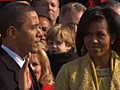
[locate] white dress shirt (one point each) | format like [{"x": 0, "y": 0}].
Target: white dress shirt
[{"x": 15, "y": 56}]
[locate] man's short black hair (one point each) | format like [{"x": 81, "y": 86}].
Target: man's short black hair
[{"x": 13, "y": 14}]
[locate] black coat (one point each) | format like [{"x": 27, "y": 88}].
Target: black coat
[{"x": 58, "y": 59}]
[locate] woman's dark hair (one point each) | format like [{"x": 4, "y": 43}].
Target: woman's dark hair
[{"x": 96, "y": 14}]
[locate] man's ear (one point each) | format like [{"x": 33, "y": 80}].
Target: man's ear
[{"x": 11, "y": 31}]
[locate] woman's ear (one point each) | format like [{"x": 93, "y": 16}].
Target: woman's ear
[{"x": 113, "y": 38}]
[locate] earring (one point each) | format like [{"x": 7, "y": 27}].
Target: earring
[
  {"x": 83, "y": 50},
  {"x": 112, "y": 42}
]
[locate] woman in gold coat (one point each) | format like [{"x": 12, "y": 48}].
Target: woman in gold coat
[{"x": 98, "y": 42}]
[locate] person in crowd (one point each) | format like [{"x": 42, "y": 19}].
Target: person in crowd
[
  {"x": 61, "y": 42},
  {"x": 87, "y": 3},
  {"x": 40, "y": 65},
  {"x": 42, "y": 69},
  {"x": 113, "y": 4},
  {"x": 20, "y": 34},
  {"x": 63, "y": 2},
  {"x": 98, "y": 41},
  {"x": 23, "y": 1},
  {"x": 4, "y": 3},
  {"x": 46, "y": 23},
  {"x": 92, "y": 3},
  {"x": 49, "y": 7},
  {"x": 71, "y": 13}
]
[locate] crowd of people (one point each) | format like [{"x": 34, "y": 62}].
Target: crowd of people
[{"x": 60, "y": 45}]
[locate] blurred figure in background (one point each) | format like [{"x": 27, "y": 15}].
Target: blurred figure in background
[
  {"x": 42, "y": 69},
  {"x": 24, "y": 1},
  {"x": 48, "y": 7},
  {"x": 46, "y": 23},
  {"x": 113, "y": 4},
  {"x": 40, "y": 65},
  {"x": 61, "y": 43},
  {"x": 71, "y": 13}
]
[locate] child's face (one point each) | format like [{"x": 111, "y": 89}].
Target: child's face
[{"x": 57, "y": 47}]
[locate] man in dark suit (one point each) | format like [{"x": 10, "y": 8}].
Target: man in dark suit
[{"x": 20, "y": 34}]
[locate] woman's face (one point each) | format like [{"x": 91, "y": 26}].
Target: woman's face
[
  {"x": 97, "y": 39},
  {"x": 45, "y": 24},
  {"x": 36, "y": 66}
]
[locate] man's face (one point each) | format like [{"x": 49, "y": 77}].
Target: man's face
[
  {"x": 71, "y": 19},
  {"x": 28, "y": 36},
  {"x": 49, "y": 7}
]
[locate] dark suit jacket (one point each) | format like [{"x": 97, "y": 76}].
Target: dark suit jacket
[{"x": 8, "y": 73}]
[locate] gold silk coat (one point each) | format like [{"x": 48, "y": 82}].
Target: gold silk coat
[{"x": 80, "y": 75}]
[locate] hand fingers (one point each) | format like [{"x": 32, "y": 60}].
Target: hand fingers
[
  {"x": 29, "y": 55},
  {"x": 24, "y": 76},
  {"x": 25, "y": 66},
  {"x": 27, "y": 59}
]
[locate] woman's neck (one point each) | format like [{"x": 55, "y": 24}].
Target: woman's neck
[{"x": 102, "y": 61}]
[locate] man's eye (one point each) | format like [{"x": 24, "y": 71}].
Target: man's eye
[
  {"x": 53, "y": 5},
  {"x": 36, "y": 27}
]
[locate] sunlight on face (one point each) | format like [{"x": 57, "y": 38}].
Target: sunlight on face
[
  {"x": 97, "y": 39},
  {"x": 57, "y": 47},
  {"x": 36, "y": 66}
]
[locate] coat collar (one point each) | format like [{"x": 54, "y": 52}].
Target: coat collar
[{"x": 9, "y": 63}]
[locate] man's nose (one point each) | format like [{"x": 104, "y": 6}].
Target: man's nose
[{"x": 49, "y": 7}]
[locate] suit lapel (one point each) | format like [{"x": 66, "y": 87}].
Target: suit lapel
[{"x": 9, "y": 62}]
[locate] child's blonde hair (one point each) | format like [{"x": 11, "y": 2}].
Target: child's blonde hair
[{"x": 62, "y": 33}]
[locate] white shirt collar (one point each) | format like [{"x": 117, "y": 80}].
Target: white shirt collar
[{"x": 15, "y": 56}]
